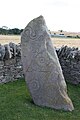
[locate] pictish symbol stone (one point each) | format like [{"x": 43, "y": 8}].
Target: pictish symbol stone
[{"x": 42, "y": 70}]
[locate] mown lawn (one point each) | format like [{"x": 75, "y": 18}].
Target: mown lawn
[{"x": 16, "y": 104}]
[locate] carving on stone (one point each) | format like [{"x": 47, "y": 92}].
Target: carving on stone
[
  {"x": 42, "y": 70},
  {"x": 34, "y": 84}
]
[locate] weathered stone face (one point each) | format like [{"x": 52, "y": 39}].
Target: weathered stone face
[{"x": 41, "y": 67}]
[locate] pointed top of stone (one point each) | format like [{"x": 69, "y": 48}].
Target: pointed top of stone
[
  {"x": 35, "y": 28},
  {"x": 40, "y": 17},
  {"x": 38, "y": 21}
]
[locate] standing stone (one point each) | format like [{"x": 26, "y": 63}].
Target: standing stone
[{"x": 43, "y": 73}]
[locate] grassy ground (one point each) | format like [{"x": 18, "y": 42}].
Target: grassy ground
[{"x": 16, "y": 104}]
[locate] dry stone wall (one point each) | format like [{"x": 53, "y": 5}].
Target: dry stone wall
[
  {"x": 70, "y": 61},
  {"x": 11, "y": 65}
]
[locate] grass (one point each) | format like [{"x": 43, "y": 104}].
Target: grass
[{"x": 16, "y": 104}]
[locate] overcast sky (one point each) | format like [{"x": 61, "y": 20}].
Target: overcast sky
[{"x": 59, "y": 14}]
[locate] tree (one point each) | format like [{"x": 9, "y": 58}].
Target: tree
[{"x": 61, "y": 31}]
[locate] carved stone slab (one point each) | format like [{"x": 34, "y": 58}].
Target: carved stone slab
[{"x": 43, "y": 73}]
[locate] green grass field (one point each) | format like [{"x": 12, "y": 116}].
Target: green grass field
[{"x": 16, "y": 104}]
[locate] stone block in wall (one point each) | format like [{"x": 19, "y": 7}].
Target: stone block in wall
[
  {"x": 2, "y": 79},
  {"x": 10, "y": 62},
  {"x": 1, "y": 63},
  {"x": 18, "y": 61}
]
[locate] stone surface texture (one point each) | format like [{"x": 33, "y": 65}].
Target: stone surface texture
[{"x": 43, "y": 73}]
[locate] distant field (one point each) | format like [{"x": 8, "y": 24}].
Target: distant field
[
  {"x": 74, "y": 34},
  {"x": 71, "y": 42},
  {"x": 58, "y": 42},
  {"x": 5, "y": 39}
]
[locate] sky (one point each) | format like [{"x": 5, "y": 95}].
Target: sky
[{"x": 58, "y": 14}]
